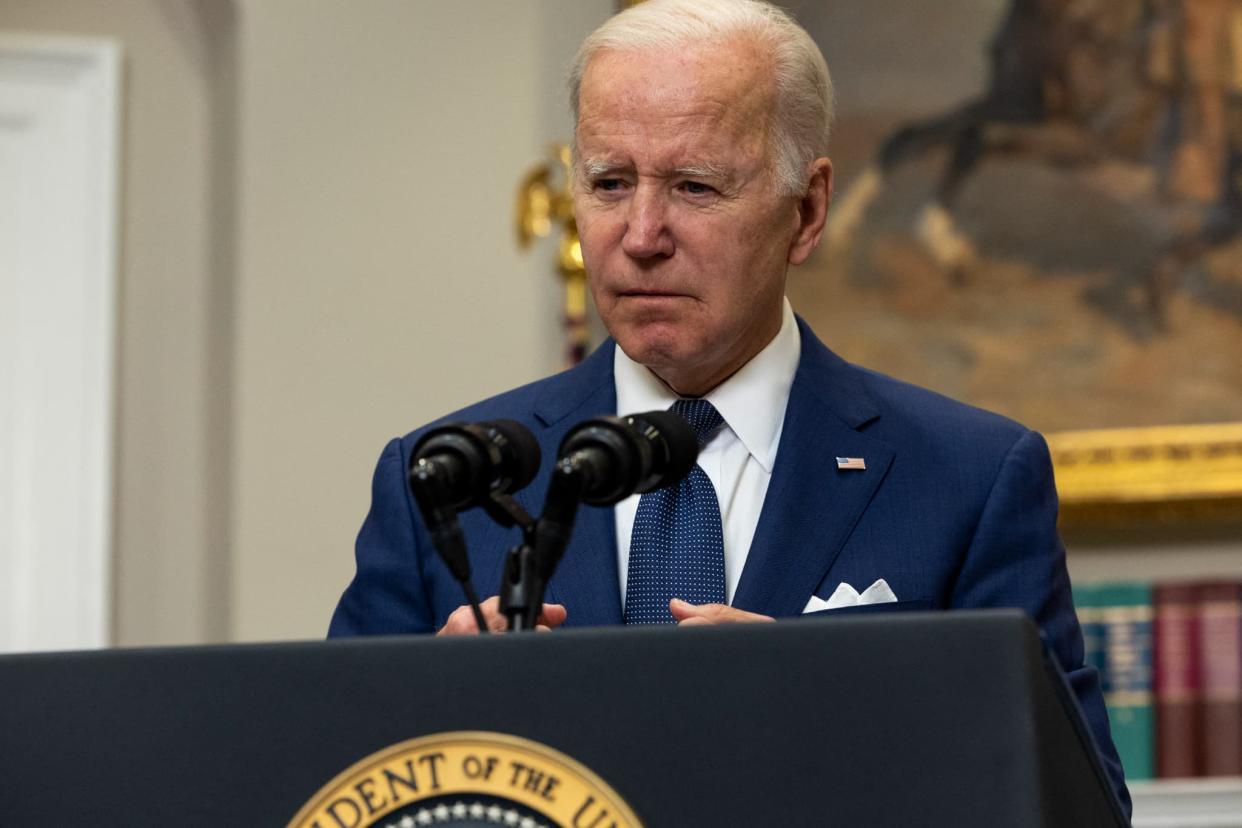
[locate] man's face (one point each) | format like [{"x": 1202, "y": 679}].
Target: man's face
[{"x": 684, "y": 234}]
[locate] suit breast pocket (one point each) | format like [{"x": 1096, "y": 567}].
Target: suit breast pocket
[{"x": 861, "y": 609}]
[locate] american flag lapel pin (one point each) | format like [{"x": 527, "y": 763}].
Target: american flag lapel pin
[{"x": 851, "y": 463}]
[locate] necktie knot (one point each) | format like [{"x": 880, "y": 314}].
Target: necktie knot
[{"x": 701, "y": 415}]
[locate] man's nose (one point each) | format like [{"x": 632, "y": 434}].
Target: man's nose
[{"x": 647, "y": 232}]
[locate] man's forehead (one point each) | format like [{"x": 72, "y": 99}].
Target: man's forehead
[
  {"x": 722, "y": 77},
  {"x": 656, "y": 146},
  {"x": 690, "y": 108}
]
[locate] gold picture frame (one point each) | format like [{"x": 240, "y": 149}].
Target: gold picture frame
[{"x": 1164, "y": 474}]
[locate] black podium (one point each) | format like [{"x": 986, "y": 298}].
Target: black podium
[{"x": 914, "y": 719}]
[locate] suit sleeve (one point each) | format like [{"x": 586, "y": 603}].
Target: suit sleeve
[
  {"x": 1016, "y": 559},
  {"x": 388, "y": 593}
]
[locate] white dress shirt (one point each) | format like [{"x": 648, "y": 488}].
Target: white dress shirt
[{"x": 739, "y": 458}]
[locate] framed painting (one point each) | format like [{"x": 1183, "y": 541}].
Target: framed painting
[{"x": 1039, "y": 211}]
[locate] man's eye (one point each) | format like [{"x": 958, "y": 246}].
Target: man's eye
[
  {"x": 608, "y": 184},
  {"x": 696, "y": 188}
]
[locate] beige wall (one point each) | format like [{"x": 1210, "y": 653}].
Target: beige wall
[
  {"x": 379, "y": 283},
  {"x": 317, "y": 256}
]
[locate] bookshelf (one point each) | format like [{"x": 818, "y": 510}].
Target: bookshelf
[
  {"x": 1156, "y": 560},
  {"x": 1188, "y": 803},
  {"x": 1159, "y": 554}
]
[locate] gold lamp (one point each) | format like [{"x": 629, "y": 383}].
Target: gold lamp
[{"x": 544, "y": 202}]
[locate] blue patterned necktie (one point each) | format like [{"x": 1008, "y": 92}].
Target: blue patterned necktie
[{"x": 677, "y": 547}]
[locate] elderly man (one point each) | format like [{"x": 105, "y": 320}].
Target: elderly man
[{"x": 702, "y": 174}]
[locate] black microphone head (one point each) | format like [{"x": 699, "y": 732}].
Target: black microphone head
[
  {"x": 459, "y": 458},
  {"x": 674, "y": 444},
  {"x": 614, "y": 454},
  {"x": 477, "y": 460},
  {"x": 519, "y": 450},
  {"x": 624, "y": 455}
]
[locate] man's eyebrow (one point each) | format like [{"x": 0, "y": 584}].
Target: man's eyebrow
[
  {"x": 592, "y": 167},
  {"x": 710, "y": 171}
]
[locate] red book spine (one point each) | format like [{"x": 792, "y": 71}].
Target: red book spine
[
  {"x": 1220, "y": 663},
  {"x": 1179, "y": 704}
]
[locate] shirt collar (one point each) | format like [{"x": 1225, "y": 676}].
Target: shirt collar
[{"x": 752, "y": 401}]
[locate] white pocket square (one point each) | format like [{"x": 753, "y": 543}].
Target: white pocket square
[{"x": 846, "y": 596}]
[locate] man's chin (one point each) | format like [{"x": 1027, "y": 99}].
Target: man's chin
[
  {"x": 654, "y": 351},
  {"x": 665, "y": 357},
  {"x": 649, "y": 353}
]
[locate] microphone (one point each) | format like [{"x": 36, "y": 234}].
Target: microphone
[
  {"x": 474, "y": 461},
  {"x": 619, "y": 456},
  {"x": 460, "y": 465},
  {"x": 605, "y": 460}
]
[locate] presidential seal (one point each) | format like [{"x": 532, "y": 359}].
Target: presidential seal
[{"x": 466, "y": 780}]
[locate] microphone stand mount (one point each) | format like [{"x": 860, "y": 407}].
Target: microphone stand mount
[{"x": 530, "y": 564}]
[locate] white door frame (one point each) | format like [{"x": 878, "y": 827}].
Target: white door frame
[{"x": 60, "y": 102}]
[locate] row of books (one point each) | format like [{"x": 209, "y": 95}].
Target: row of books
[{"x": 1170, "y": 661}]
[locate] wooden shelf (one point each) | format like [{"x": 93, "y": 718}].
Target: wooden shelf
[{"x": 1188, "y": 803}]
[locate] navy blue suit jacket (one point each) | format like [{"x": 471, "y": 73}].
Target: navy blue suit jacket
[{"x": 956, "y": 509}]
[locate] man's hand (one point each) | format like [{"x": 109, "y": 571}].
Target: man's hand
[
  {"x": 461, "y": 620},
  {"x": 690, "y": 615}
]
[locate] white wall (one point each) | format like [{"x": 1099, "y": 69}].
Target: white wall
[{"x": 59, "y": 124}]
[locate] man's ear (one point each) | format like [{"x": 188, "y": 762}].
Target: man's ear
[{"x": 812, "y": 211}]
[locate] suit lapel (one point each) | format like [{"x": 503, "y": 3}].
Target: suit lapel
[
  {"x": 586, "y": 581},
  {"x": 811, "y": 506}
]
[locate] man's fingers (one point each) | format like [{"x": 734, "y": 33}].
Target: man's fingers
[
  {"x": 697, "y": 615},
  {"x": 553, "y": 615},
  {"x": 492, "y": 615},
  {"x": 461, "y": 620},
  {"x": 683, "y": 610}
]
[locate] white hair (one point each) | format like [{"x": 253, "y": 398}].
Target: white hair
[{"x": 804, "y": 101}]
